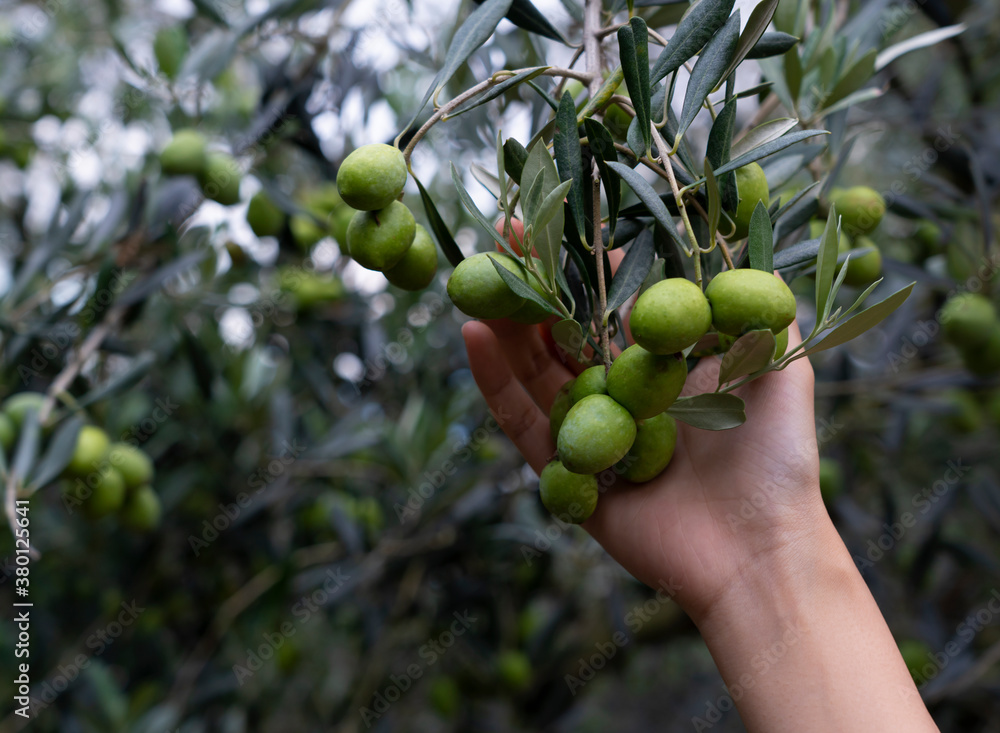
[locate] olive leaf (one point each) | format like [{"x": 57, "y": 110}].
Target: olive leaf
[
  {"x": 651, "y": 199},
  {"x": 761, "y": 243},
  {"x": 632, "y": 271},
  {"x": 863, "y": 321},
  {"x": 756, "y": 25},
  {"x": 826, "y": 264},
  {"x": 569, "y": 159},
  {"x": 634, "y": 53},
  {"x": 568, "y": 335},
  {"x": 714, "y": 201},
  {"x": 497, "y": 90},
  {"x": 719, "y": 152},
  {"x": 602, "y": 146},
  {"x": 761, "y": 134},
  {"x": 471, "y": 207},
  {"x": 772, "y": 43},
  {"x": 694, "y": 30},
  {"x": 444, "y": 238},
  {"x": 708, "y": 72},
  {"x": 710, "y": 411},
  {"x": 520, "y": 287},
  {"x": 769, "y": 148},
  {"x": 750, "y": 353},
  {"x": 58, "y": 454}
]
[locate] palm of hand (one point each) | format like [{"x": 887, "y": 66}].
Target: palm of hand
[{"x": 725, "y": 497}]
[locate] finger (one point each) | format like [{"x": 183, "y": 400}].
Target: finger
[
  {"x": 514, "y": 410},
  {"x": 531, "y": 361}
]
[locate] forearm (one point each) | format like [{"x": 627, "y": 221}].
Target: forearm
[{"x": 802, "y": 645}]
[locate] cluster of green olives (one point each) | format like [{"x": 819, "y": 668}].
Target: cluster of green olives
[
  {"x": 861, "y": 209},
  {"x": 218, "y": 173},
  {"x": 970, "y": 322},
  {"x": 617, "y": 419},
  {"x": 383, "y": 235},
  {"x": 101, "y": 477}
]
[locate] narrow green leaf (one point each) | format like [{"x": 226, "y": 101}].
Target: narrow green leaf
[
  {"x": 471, "y": 207},
  {"x": 486, "y": 179},
  {"x": 552, "y": 203},
  {"x": 750, "y": 353},
  {"x": 770, "y": 148},
  {"x": 607, "y": 89},
  {"x": 719, "y": 152},
  {"x": 708, "y": 72},
  {"x": 121, "y": 381},
  {"x": 546, "y": 97},
  {"x": 760, "y": 18},
  {"x": 28, "y": 443},
  {"x": 793, "y": 73},
  {"x": 826, "y": 264},
  {"x": 772, "y": 43},
  {"x": 502, "y": 178},
  {"x": 472, "y": 34},
  {"x": 762, "y": 134},
  {"x": 525, "y": 15},
  {"x": 761, "y": 245},
  {"x": 444, "y": 239},
  {"x": 141, "y": 290},
  {"x": 603, "y": 148},
  {"x": 569, "y": 159},
  {"x": 632, "y": 271},
  {"x": 58, "y": 454},
  {"x": 711, "y": 411},
  {"x": 669, "y": 252},
  {"x": 790, "y": 204},
  {"x": 921, "y": 40},
  {"x": 634, "y": 54},
  {"x": 498, "y": 90},
  {"x": 693, "y": 32},
  {"x": 714, "y": 201},
  {"x": 521, "y": 287},
  {"x": 863, "y": 321},
  {"x": 568, "y": 335},
  {"x": 514, "y": 157},
  {"x": 651, "y": 200},
  {"x": 864, "y": 95},
  {"x": 861, "y": 298},
  {"x": 853, "y": 79}
]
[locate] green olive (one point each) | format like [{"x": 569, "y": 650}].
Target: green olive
[
  {"x": 264, "y": 216},
  {"x": 378, "y": 239},
  {"x": 416, "y": 270},
  {"x": 644, "y": 383},
  {"x": 560, "y": 406},
  {"x": 860, "y": 208},
  {"x": 590, "y": 381},
  {"x": 967, "y": 320},
  {"x": 751, "y": 186},
  {"x": 142, "y": 509},
  {"x": 477, "y": 289},
  {"x": 670, "y": 316},
  {"x": 185, "y": 154},
  {"x": 747, "y": 300},
  {"x": 220, "y": 178},
  {"x": 91, "y": 451},
  {"x": 596, "y": 434},
  {"x": 372, "y": 177},
  {"x": 655, "y": 440},
  {"x": 135, "y": 467},
  {"x": 570, "y": 497}
]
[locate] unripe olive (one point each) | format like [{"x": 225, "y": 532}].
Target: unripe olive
[
  {"x": 444, "y": 696},
  {"x": 476, "y": 288},
  {"x": 644, "y": 383},
  {"x": 967, "y": 320},
  {"x": 590, "y": 381},
  {"x": 831, "y": 479},
  {"x": 308, "y": 289},
  {"x": 372, "y": 177},
  {"x": 780, "y": 343},
  {"x": 930, "y": 237},
  {"x": 220, "y": 179},
  {"x": 264, "y": 216},
  {"x": 16, "y": 406},
  {"x": 170, "y": 46},
  {"x": 185, "y": 154},
  {"x": 560, "y": 406},
  {"x": 571, "y": 497},
  {"x": 655, "y": 440},
  {"x": 135, "y": 467},
  {"x": 818, "y": 226},
  {"x": 339, "y": 221},
  {"x": 595, "y": 435},
  {"x": 514, "y": 669},
  {"x": 860, "y": 208},
  {"x": 670, "y": 316},
  {"x": 417, "y": 268},
  {"x": 107, "y": 497},
  {"x": 321, "y": 200},
  {"x": 142, "y": 509},
  {"x": 8, "y": 432},
  {"x": 91, "y": 451},
  {"x": 305, "y": 231},
  {"x": 984, "y": 360},
  {"x": 965, "y": 416},
  {"x": 379, "y": 239},
  {"x": 747, "y": 300},
  {"x": 751, "y": 185},
  {"x": 864, "y": 269}
]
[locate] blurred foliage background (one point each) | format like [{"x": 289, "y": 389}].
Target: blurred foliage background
[{"x": 347, "y": 540}]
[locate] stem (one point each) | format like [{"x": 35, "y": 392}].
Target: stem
[
  {"x": 679, "y": 199},
  {"x": 442, "y": 112},
  {"x": 592, "y": 50}
]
